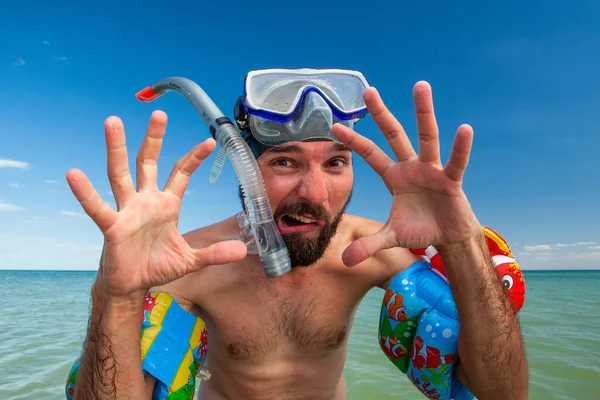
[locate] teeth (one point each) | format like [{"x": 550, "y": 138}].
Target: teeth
[{"x": 303, "y": 219}]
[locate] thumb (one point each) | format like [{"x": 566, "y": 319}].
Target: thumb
[
  {"x": 366, "y": 246},
  {"x": 225, "y": 252}
]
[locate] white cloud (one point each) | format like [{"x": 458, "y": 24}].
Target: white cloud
[
  {"x": 20, "y": 62},
  {"x": 574, "y": 244},
  {"x": 6, "y": 163},
  {"x": 538, "y": 247},
  {"x": 5, "y": 207},
  {"x": 15, "y": 185},
  {"x": 589, "y": 256},
  {"x": 52, "y": 253},
  {"x": 50, "y": 181},
  {"x": 77, "y": 246},
  {"x": 570, "y": 260},
  {"x": 37, "y": 220},
  {"x": 73, "y": 214},
  {"x": 560, "y": 256},
  {"x": 47, "y": 43}
]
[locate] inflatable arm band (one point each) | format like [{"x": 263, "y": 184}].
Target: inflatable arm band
[
  {"x": 173, "y": 345},
  {"x": 418, "y": 326}
]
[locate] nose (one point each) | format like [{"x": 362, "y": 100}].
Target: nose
[{"x": 313, "y": 187}]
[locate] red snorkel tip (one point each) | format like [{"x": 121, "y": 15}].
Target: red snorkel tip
[{"x": 147, "y": 94}]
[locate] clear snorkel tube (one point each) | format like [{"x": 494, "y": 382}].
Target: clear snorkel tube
[{"x": 267, "y": 239}]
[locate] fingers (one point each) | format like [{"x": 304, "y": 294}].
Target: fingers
[
  {"x": 389, "y": 125},
  {"x": 147, "y": 158},
  {"x": 185, "y": 167},
  {"x": 225, "y": 252},
  {"x": 364, "y": 147},
  {"x": 365, "y": 247},
  {"x": 90, "y": 200},
  {"x": 117, "y": 161},
  {"x": 429, "y": 145},
  {"x": 459, "y": 157}
]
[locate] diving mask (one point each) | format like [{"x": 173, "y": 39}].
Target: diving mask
[
  {"x": 283, "y": 105},
  {"x": 286, "y": 105}
]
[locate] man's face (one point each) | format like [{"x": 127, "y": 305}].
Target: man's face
[{"x": 309, "y": 185}]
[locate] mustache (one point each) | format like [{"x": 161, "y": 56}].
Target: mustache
[{"x": 302, "y": 208}]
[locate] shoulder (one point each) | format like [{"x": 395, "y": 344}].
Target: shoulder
[
  {"x": 384, "y": 264},
  {"x": 361, "y": 226},
  {"x": 210, "y": 234},
  {"x": 183, "y": 289}
]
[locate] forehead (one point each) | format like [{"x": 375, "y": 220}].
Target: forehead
[{"x": 308, "y": 147}]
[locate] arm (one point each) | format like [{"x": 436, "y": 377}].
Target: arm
[
  {"x": 430, "y": 208},
  {"x": 143, "y": 249},
  {"x": 110, "y": 365},
  {"x": 172, "y": 345},
  {"x": 490, "y": 342},
  {"x": 427, "y": 304}
]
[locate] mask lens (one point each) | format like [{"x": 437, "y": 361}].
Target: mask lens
[
  {"x": 276, "y": 94},
  {"x": 313, "y": 120}
]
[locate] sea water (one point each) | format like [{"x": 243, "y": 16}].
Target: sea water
[{"x": 44, "y": 314}]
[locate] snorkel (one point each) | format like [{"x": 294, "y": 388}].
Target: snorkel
[{"x": 269, "y": 244}]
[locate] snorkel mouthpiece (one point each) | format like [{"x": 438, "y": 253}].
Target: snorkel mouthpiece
[{"x": 270, "y": 245}]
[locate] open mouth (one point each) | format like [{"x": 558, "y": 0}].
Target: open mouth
[{"x": 295, "y": 223}]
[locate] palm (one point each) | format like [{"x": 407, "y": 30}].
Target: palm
[
  {"x": 155, "y": 250},
  {"x": 429, "y": 206},
  {"x": 142, "y": 243}
]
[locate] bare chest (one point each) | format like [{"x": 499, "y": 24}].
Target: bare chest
[{"x": 256, "y": 320}]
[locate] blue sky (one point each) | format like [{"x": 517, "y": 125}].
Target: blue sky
[{"x": 524, "y": 75}]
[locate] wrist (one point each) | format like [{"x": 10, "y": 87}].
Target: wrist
[
  {"x": 122, "y": 305},
  {"x": 467, "y": 257},
  {"x": 474, "y": 244},
  {"x": 112, "y": 317},
  {"x": 104, "y": 291}
]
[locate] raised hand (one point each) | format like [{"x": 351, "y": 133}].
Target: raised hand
[
  {"x": 142, "y": 244},
  {"x": 429, "y": 205}
]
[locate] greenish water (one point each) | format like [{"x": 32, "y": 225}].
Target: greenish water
[{"x": 43, "y": 317}]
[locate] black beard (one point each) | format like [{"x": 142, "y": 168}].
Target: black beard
[{"x": 302, "y": 250}]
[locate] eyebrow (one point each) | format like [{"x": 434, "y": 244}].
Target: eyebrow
[
  {"x": 339, "y": 147},
  {"x": 294, "y": 148}
]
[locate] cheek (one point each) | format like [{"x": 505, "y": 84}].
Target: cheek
[
  {"x": 278, "y": 187},
  {"x": 339, "y": 189}
]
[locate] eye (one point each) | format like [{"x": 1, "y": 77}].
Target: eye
[
  {"x": 282, "y": 162},
  {"x": 337, "y": 163},
  {"x": 508, "y": 282}
]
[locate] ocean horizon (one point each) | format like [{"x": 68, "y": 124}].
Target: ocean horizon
[{"x": 45, "y": 313}]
